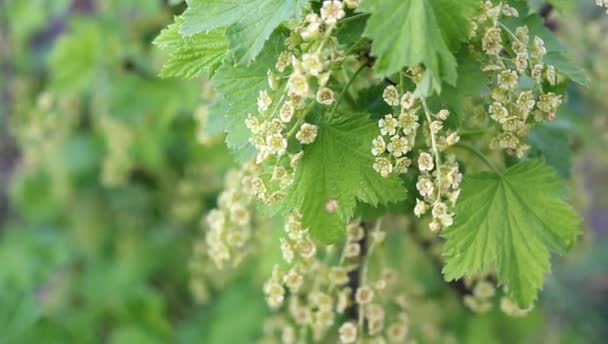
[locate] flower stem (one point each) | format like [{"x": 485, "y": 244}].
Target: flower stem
[
  {"x": 480, "y": 155},
  {"x": 341, "y": 95},
  {"x": 429, "y": 120}
]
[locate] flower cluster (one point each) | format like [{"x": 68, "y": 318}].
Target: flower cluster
[
  {"x": 300, "y": 252},
  {"x": 201, "y": 115},
  {"x": 299, "y": 81},
  {"x": 439, "y": 181},
  {"x": 480, "y": 300},
  {"x": 397, "y": 133},
  {"x": 510, "y": 308},
  {"x": 186, "y": 197},
  {"x": 118, "y": 162},
  {"x": 439, "y": 186},
  {"x": 229, "y": 225},
  {"x": 313, "y": 294},
  {"x": 511, "y": 57}
]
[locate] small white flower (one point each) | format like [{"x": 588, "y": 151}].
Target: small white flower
[
  {"x": 446, "y": 220},
  {"x": 549, "y": 102},
  {"x": 331, "y": 206},
  {"x": 519, "y": 47},
  {"x": 264, "y": 101},
  {"x": 352, "y": 250},
  {"x": 522, "y": 33},
  {"x": 295, "y": 159},
  {"x": 343, "y": 300},
  {"x": 526, "y": 100},
  {"x": 509, "y": 11},
  {"x": 510, "y": 308},
  {"x": 434, "y": 226},
  {"x": 508, "y": 79},
  {"x": 286, "y": 251},
  {"x": 325, "y": 96},
  {"x": 452, "y": 139},
  {"x": 286, "y": 112},
  {"x": 283, "y": 61},
  {"x": 239, "y": 214},
  {"x": 276, "y": 144},
  {"x": 388, "y": 125},
  {"x": 383, "y": 166},
  {"x": 276, "y": 295},
  {"x": 537, "y": 72},
  {"x": 439, "y": 209},
  {"x": 420, "y": 208},
  {"x": 408, "y": 123},
  {"x": 425, "y": 187},
  {"x": 401, "y": 165},
  {"x": 391, "y": 95},
  {"x": 521, "y": 62},
  {"x": 312, "y": 64},
  {"x": 332, "y": 11},
  {"x": 312, "y": 30},
  {"x": 538, "y": 47},
  {"x": 407, "y": 100},
  {"x": 307, "y": 133},
  {"x": 324, "y": 319},
  {"x": 374, "y": 311},
  {"x": 298, "y": 84},
  {"x": 306, "y": 248},
  {"x": 484, "y": 290},
  {"x": 293, "y": 281},
  {"x": 398, "y": 146},
  {"x": 436, "y": 126},
  {"x": 378, "y": 145},
  {"x": 338, "y": 275},
  {"x": 492, "y": 41},
  {"x": 364, "y": 295},
  {"x": 348, "y": 333},
  {"x": 321, "y": 300},
  {"x": 354, "y": 232},
  {"x": 216, "y": 219},
  {"x": 397, "y": 332},
  {"x": 425, "y": 162},
  {"x": 498, "y": 112},
  {"x": 443, "y": 114}
]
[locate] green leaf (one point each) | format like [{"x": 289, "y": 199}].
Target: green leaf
[
  {"x": 338, "y": 166},
  {"x": 76, "y": 57},
  {"x": 511, "y": 222},
  {"x": 18, "y": 314},
  {"x": 350, "y": 30},
  {"x": 192, "y": 55},
  {"x": 554, "y": 145},
  {"x": 471, "y": 82},
  {"x": 454, "y": 17},
  {"x": 249, "y": 23},
  {"x": 406, "y": 33},
  {"x": 238, "y": 88}
]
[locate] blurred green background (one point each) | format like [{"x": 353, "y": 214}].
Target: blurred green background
[{"x": 106, "y": 170}]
